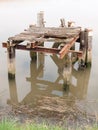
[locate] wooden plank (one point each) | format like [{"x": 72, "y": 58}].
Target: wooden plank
[
  {"x": 32, "y": 42},
  {"x": 59, "y": 35},
  {"x": 67, "y": 47},
  {"x": 56, "y": 29},
  {"x": 37, "y": 32}
]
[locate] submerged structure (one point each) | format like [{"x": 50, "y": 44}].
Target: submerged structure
[{"x": 65, "y": 39}]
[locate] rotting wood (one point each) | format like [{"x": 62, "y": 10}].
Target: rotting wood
[
  {"x": 86, "y": 47},
  {"x": 35, "y": 33},
  {"x": 11, "y": 62}
]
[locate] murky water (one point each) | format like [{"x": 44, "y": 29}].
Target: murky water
[{"x": 46, "y": 76}]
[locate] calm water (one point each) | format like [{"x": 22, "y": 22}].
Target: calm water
[{"x": 47, "y": 76}]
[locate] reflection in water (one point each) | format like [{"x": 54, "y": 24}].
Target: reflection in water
[
  {"x": 68, "y": 83},
  {"x": 64, "y": 69},
  {"x": 79, "y": 85},
  {"x": 13, "y": 92}
]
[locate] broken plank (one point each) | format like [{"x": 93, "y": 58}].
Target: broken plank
[
  {"x": 59, "y": 35},
  {"x": 36, "y": 32},
  {"x": 30, "y": 40},
  {"x": 54, "y": 30}
]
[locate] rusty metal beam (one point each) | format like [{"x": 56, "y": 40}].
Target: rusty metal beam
[
  {"x": 43, "y": 49},
  {"x": 67, "y": 47},
  {"x": 73, "y": 51},
  {"x": 36, "y": 49}
]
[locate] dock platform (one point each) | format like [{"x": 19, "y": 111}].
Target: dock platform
[
  {"x": 63, "y": 38},
  {"x": 34, "y": 37}
]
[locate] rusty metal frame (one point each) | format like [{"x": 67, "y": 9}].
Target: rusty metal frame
[{"x": 61, "y": 52}]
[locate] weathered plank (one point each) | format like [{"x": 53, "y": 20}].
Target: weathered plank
[{"x": 36, "y": 32}]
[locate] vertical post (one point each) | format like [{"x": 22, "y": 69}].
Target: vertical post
[
  {"x": 82, "y": 44},
  {"x": 81, "y": 59},
  {"x": 62, "y": 22},
  {"x": 88, "y": 47},
  {"x": 71, "y": 24},
  {"x": 40, "y": 19},
  {"x": 11, "y": 61}
]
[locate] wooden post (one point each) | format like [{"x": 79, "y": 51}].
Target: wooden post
[
  {"x": 71, "y": 24},
  {"x": 62, "y": 22},
  {"x": 40, "y": 19},
  {"x": 11, "y": 61},
  {"x": 82, "y": 44},
  {"x": 81, "y": 59},
  {"x": 86, "y": 47}
]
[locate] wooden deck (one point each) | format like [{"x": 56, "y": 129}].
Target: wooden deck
[
  {"x": 34, "y": 37},
  {"x": 63, "y": 41}
]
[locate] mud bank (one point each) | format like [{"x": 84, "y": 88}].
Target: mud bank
[{"x": 53, "y": 110}]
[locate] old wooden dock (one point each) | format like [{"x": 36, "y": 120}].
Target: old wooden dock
[
  {"x": 63, "y": 37},
  {"x": 34, "y": 37}
]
